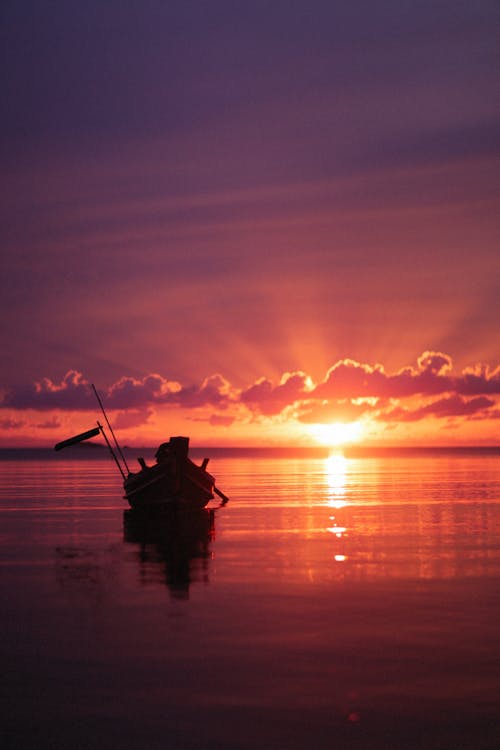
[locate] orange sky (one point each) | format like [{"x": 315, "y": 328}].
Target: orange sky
[
  {"x": 217, "y": 199},
  {"x": 428, "y": 403}
]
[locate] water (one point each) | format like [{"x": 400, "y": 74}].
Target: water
[{"x": 333, "y": 603}]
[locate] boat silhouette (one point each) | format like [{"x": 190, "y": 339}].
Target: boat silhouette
[{"x": 173, "y": 480}]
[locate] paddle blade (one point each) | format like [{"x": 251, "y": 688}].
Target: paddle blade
[
  {"x": 222, "y": 496},
  {"x": 77, "y": 439}
]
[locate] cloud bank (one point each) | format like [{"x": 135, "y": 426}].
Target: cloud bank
[{"x": 349, "y": 391}]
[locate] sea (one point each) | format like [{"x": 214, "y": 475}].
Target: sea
[{"x": 337, "y": 601}]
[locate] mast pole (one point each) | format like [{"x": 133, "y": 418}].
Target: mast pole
[
  {"x": 112, "y": 433},
  {"x": 101, "y": 428}
]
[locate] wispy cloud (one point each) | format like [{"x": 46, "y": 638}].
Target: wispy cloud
[{"x": 8, "y": 424}]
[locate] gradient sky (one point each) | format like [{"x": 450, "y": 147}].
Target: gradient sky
[{"x": 241, "y": 219}]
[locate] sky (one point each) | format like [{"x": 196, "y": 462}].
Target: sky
[{"x": 251, "y": 222}]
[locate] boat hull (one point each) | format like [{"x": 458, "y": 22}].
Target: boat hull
[{"x": 159, "y": 485}]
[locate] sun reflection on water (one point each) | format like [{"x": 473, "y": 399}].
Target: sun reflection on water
[
  {"x": 336, "y": 470},
  {"x": 336, "y": 479}
]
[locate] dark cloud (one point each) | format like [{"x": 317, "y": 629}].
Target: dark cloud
[
  {"x": 72, "y": 393},
  {"x": 350, "y": 390},
  {"x": 350, "y": 379},
  {"x": 452, "y": 406},
  {"x": 215, "y": 390},
  {"x": 154, "y": 389},
  {"x": 270, "y": 399},
  {"x": 133, "y": 393},
  {"x": 479, "y": 380}
]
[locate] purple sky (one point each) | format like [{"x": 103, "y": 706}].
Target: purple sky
[{"x": 191, "y": 188}]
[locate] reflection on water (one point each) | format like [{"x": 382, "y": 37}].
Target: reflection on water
[
  {"x": 343, "y": 602},
  {"x": 172, "y": 546},
  {"x": 370, "y": 519},
  {"x": 87, "y": 574},
  {"x": 388, "y": 522},
  {"x": 336, "y": 469}
]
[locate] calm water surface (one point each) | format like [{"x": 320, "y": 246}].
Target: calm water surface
[{"x": 333, "y": 603}]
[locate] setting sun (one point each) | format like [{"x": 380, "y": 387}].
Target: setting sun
[{"x": 337, "y": 433}]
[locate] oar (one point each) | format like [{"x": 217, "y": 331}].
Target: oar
[
  {"x": 222, "y": 496},
  {"x": 77, "y": 439}
]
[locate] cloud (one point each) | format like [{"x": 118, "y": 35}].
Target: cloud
[
  {"x": 479, "y": 379},
  {"x": 451, "y": 406},
  {"x": 134, "y": 393},
  {"x": 215, "y": 391},
  {"x": 154, "y": 389},
  {"x": 134, "y": 418},
  {"x": 432, "y": 376},
  {"x": 72, "y": 393},
  {"x": 221, "y": 420},
  {"x": 349, "y": 391},
  {"x": 435, "y": 362},
  {"x": 11, "y": 424},
  {"x": 49, "y": 424},
  {"x": 343, "y": 394},
  {"x": 269, "y": 399}
]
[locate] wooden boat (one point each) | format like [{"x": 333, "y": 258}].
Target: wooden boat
[{"x": 173, "y": 480}]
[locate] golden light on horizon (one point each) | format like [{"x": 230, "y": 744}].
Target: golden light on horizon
[{"x": 336, "y": 434}]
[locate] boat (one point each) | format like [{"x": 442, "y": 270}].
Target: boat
[{"x": 174, "y": 480}]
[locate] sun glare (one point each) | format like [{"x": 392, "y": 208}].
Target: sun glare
[{"x": 336, "y": 433}]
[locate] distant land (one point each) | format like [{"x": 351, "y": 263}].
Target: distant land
[{"x": 93, "y": 451}]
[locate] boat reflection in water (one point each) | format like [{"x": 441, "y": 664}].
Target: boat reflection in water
[{"x": 173, "y": 545}]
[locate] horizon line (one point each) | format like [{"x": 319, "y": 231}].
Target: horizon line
[{"x": 354, "y": 448}]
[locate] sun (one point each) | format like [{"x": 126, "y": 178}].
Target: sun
[{"x": 336, "y": 433}]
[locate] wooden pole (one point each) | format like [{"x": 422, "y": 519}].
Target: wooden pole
[
  {"x": 111, "y": 430},
  {"x": 101, "y": 428}
]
